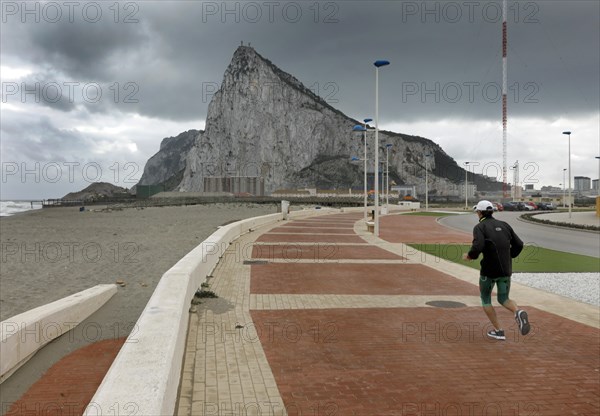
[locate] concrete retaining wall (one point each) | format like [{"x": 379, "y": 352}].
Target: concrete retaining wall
[
  {"x": 144, "y": 377},
  {"x": 24, "y": 334}
]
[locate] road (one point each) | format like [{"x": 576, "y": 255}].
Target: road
[{"x": 562, "y": 239}]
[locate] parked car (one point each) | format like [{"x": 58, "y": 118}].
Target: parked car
[
  {"x": 498, "y": 206},
  {"x": 532, "y": 204},
  {"x": 546, "y": 206},
  {"x": 511, "y": 206},
  {"x": 527, "y": 207}
]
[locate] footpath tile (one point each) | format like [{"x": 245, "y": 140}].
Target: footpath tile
[
  {"x": 321, "y": 251},
  {"x": 309, "y": 238},
  {"x": 302, "y": 230},
  {"x": 69, "y": 385},
  {"x": 417, "y": 361},
  {"x": 332, "y": 328},
  {"x": 354, "y": 279},
  {"x": 417, "y": 229}
]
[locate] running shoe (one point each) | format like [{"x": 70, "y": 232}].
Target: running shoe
[
  {"x": 496, "y": 334},
  {"x": 523, "y": 321}
]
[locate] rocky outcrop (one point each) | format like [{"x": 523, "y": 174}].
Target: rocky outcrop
[
  {"x": 264, "y": 122},
  {"x": 167, "y": 166},
  {"x": 97, "y": 192}
]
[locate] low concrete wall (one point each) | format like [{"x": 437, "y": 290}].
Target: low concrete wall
[
  {"x": 144, "y": 378},
  {"x": 24, "y": 334}
]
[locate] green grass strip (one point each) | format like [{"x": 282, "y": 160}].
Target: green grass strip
[{"x": 532, "y": 259}]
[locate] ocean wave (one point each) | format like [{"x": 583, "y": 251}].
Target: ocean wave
[{"x": 8, "y": 208}]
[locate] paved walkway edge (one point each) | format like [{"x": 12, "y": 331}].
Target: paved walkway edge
[{"x": 145, "y": 376}]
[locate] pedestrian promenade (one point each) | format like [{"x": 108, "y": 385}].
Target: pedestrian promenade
[{"x": 319, "y": 317}]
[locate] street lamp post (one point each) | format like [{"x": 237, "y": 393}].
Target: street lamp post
[
  {"x": 568, "y": 133},
  {"x": 387, "y": 178},
  {"x": 378, "y": 64},
  {"x": 427, "y": 181},
  {"x": 466, "y": 185},
  {"x": 598, "y": 181},
  {"x": 363, "y": 128},
  {"x": 564, "y": 187}
]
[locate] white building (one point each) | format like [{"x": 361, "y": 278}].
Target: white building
[
  {"x": 582, "y": 183},
  {"x": 404, "y": 190}
]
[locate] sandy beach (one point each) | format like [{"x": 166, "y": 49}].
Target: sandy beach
[{"x": 52, "y": 253}]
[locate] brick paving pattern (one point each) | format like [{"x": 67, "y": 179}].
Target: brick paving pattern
[
  {"x": 69, "y": 385},
  {"x": 416, "y": 229},
  {"x": 341, "y": 328},
  {"x": 355, "y": 279},
  {"x": 395, "y": 361},
  {"x": 339, "y": 322}
]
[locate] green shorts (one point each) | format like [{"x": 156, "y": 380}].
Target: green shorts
[{"x": 486, "y": 285}]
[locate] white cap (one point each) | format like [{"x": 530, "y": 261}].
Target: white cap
[{"x": 484, "y": 206}]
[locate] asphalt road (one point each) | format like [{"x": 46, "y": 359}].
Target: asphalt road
[{"x": 572, "y": 241}]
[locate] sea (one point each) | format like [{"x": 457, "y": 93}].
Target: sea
[{"x": 8, "y": 208}]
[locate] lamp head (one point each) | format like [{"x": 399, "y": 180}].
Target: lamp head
[
  {"x": 380, "y": 63},
  {"x": 367, "y": 120},
  {"x": 358, "y": 127},
  {"x": 567, "y": 132},
  {"x": 388, "y": 145},
  {"x": 354, "y": 159}
]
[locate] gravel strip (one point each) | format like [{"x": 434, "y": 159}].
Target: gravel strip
[{"x": 584, "y": 287}]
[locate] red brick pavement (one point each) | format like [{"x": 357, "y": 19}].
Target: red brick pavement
[
  {"x": 355, "y": 279},
  {"x": 302, "y": 230},
  {"x": 320, "y": 224},
  {"x": 429, "y": 361},
  {"x": 417, "y": 361},
  {"x": 418, "y": 229},
  {"x": 321, "y": 251},
  {"x": 69, "y": 385},
  {"x": 309, "y": 238}
]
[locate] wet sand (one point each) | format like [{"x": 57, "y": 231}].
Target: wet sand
[{"x": 52, "y": 253}]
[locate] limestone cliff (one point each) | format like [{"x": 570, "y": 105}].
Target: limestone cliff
[
  {"x": 264, "y": 122},
  {"x": 167, "y": 166}
]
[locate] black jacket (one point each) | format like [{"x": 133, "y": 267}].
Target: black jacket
[{"x": 499, "y": 245}]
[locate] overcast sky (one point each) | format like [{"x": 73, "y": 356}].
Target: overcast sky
[{"x": 89, "y": 89}]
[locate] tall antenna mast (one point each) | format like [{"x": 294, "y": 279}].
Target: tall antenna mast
[
  {"x": 504, "y": 115},
  {"x": 515, "y": 180}
]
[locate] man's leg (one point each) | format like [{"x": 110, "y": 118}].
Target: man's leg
[
  {"x": 491, "y": 314},
  {"x": 504, "y": 293},
  {"x": 503, "y": 298},
  {"x": 486, "y": 285}
]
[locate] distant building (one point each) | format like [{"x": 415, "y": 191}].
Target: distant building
[
  {"x": 582, "y": 183},
  {"x": 404, "y": 190},
  {"x": 235, "y": 184},
  {"x": 595, "y": 184},
  {"x": 551, "y": 189},
  {"x": 517, "y": 192},
  {"x": 529, "y": 187},
  {"x": 471, "y": 189}
]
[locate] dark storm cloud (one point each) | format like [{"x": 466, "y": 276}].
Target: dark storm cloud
[
  {"x": 41, "y": 140},
  {"x": 443, "y": 65}
]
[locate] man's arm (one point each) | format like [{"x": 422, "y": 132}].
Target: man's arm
[
  {"x": 516, "y": 245},
  {"x": 478, "y": 244}
]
